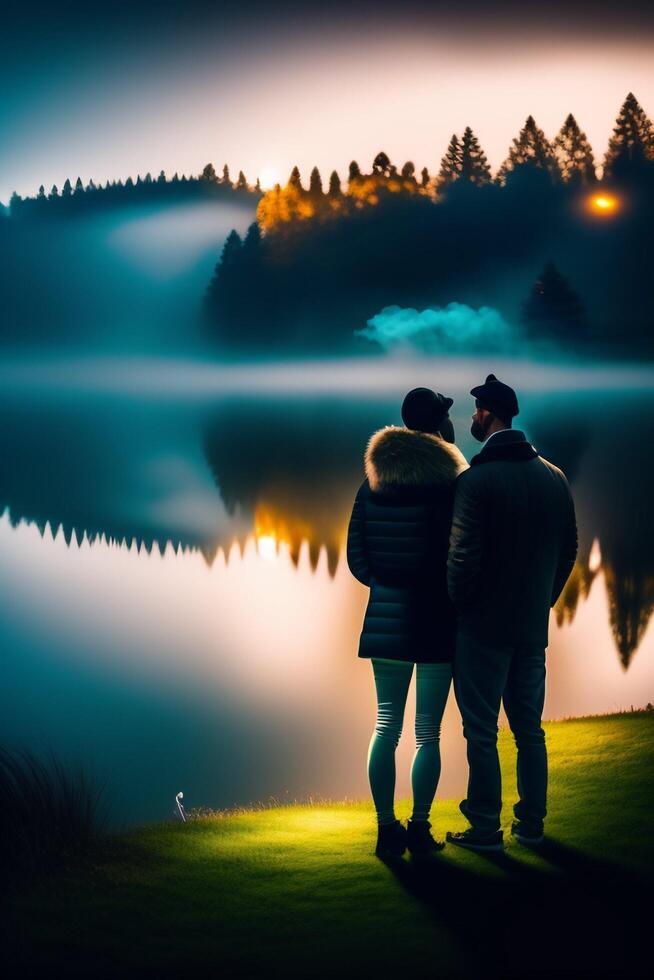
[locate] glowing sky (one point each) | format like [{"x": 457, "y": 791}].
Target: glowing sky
[{"x": 263, "y": 87}]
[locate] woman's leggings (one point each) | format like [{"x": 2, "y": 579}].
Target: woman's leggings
[{"x": 392, "y": 679}]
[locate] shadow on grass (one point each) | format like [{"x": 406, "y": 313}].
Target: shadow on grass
[{"x": 569, "y": 914}]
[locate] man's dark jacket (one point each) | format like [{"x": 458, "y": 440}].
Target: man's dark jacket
[
  {"x": 513, "y": 542},
  {"x": 397, "y": 545}
]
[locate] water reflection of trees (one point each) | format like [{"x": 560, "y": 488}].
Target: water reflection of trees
[
  {"x": 287, "y": 469},
  {"x": 295, "y": 466},
  {"x": 601, "y": 448},
  {"x": 79, "y": 469}
]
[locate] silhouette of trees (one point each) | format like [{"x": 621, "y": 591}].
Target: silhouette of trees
[
  {"x": 381, "y": 165},
  {"x": 354, "y": 172},
  {"x": 80, "y": 199},
  {"x": 553, "y": 309},
  {"x": 574, "y": 153},
  {"x": 209, "y": 173},
  {"x": 464, "y": 158},
  {"x": 451, "y": 163},
  {"x": 315, "y": 183},
  {"x": 334, "y": 185},
  {"x": 632, "y": 142},
  {"x": 222, "y": 290},
  {"x": 388, "y": 237},
  {"x": 295, "y": 180},
  {"x": 532, "y": 147},
  {"x": 472, "y": 160}
]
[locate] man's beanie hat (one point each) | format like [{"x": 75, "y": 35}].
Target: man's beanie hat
[
  {"x": 425, "y": 410},
  {"x": 497, "y": 397}
]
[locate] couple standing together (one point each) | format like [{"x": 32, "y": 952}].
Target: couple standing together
[{"x": 463, "y": 565}]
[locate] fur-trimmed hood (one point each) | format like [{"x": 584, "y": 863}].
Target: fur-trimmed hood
[{"x": 405, "y": 457}]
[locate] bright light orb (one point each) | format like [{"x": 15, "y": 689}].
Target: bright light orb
[
  {"x": 268, "y": 178},
  {"x": 603, "y": 203},
  {"x": 267, "y": 546}
]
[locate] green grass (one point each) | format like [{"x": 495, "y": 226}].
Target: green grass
[{"x": 297, "y": 891}]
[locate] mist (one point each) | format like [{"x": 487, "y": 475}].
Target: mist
[{"x": 129, "y": 281}]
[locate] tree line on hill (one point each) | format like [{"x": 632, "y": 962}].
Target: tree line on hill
[
  {"x": 318, "y": 262},
  {"x": 78, "y": 198}
]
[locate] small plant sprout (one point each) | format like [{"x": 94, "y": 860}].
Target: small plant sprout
[{"x": 180, "y": 806}]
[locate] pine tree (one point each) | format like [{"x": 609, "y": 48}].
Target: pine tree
[
  {"x": 315, "y": 183},
  {"x": 148, "y": 178},
  {"x": 129, "y": 183},
  {"x": 241, "y": 183},
  {"x": 633, "y": 138},
  {"x": 231, "y": 250},
  {"x": 531, "y": 146},
  {"x": 161, "y": 179},
  {"x": 226, "y": 180},
  {"x": 381, "y": 165},
  {"x": 67, "y": 189},
  {"x": 225, "y": 276},
  {"x": 474, "y": 165},
  {"x": 294, "y": 179},
  {"x": 334, "y": 185},
  {"x": 257, "y": 186},
  {"x": 79, "y": 186},
  {"x": 409, "y": 171},
  {"x": 574, "y": 153},
  {"x": 41, "y": 194},
  {"x": 424, "y": 177},
  {"x": 354, "y": 171},
  {"x": 451, "y": 163},
  {"x": 54, "y": 192},
  {"x": 553, "y": 309},
  {"x": 252, "y": 240}
]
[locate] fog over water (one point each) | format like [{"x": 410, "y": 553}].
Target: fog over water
[
  {"x": 127, "y": 280},
  {"x": 223, "y": 663}
]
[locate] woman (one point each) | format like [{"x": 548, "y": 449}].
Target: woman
[{"x": 397, "y": 545}]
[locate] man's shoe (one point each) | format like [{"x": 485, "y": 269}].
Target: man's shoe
[
  {"x": 391, "y": 840},
  {"x": 419, "y": 840},
  {"x": 527, "y": 834},
  {"x": 477, "y": 840}
]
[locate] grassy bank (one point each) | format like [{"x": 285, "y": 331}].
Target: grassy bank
[{"x": 297, "y": 890}]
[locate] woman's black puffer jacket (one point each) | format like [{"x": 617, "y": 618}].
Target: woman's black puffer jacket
[{"x": 397, "y": 545}]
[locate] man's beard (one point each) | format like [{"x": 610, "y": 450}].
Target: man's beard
[{"x": 479, "y": 430}]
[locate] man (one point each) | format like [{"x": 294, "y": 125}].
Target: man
[{"x": 512, "y": 547}]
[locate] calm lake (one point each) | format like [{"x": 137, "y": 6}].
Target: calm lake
[{"x": 175, "y": 610}]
